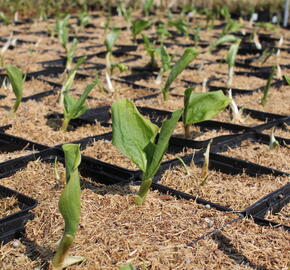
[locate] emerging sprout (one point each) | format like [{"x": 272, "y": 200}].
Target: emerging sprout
[
  {"x": 181, "y": 26},
  {"x": 287, "y": 79},
  {"x": 148, "y": 5},
  {"x": 200, "y": 107},
  {"x": 188, "y": 55},
  {"x": 231, "y": 58},
  {"x": 138, "y": 26},
  {"x": 236, "y": 113},
  {"x": 232, "y": 26},
  {"x": 70, "y": 55},
  {"x": 126, "y": 12},
  {"x": 70, "y": 207},
  {"x": 162, "y": 33},
  {"x": 264, "y": 99},
  {"x": 10, "y": 42},
  {"x": 273, "y": 144},
  {"x": 75, "y": 107},
  {"x": 204, "y": 172},
  {"x": 62, "y": 31},
  {"x": 165, "y": 64},
  {"x": 127, "y": 267},
  {"x": 151, "y": 51},
  {"x": 16, "y": 78},
  {"x": 140, "y": 145}
]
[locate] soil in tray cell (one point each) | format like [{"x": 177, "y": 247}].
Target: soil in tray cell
[
  {"x": 112, "y": 229},
  {"x": 278, "y": 101},
  {"x": 8, "y": 206},
  {"x": 233, "y": 191},
  {"x": 105, "y": 151},
  {"x": 282, "y": 217},
  {"x": 32, "y": 124},
  {"x": 278, "y": 158},
  {"x": 258, "y": 247},
  {"x": 5, "y": 156}
]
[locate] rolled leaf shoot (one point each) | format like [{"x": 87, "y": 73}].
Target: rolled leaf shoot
[
  {"x": 16, "y": 78},
  {"x": 237, "y": 115},
  {"x": 273, "y": 143},
  {"x": 70, "y": 208},
  {"x": 205, "y": 171},
  {"x": 138, "y": 26},
  {"x": 230, "y": 59},
  {"x": 266, "y": 89}
]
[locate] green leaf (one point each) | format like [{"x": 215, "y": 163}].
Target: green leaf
[
  {"x": 187, "y": 57},
  {"x": 264, "y": 99},
  {"x": 287, "y": 79},
  {"x": 148, "y": 5},
  {"x": 232, "y": 26},
  {"x": 222, "y": 40},
  {"x": 62, "y": 31},
  {"x": 138, "y": 26},
  {"x": 232, "y": 53},
  {"x": 16, "y": 78},
  {"x": 180, "y": 25},
  {"x": 200, "y": 107},
  {"x": 127, "y": 267},
  {"x": 165, "y": 59},
  {"x": 266, "y": 26},
  {"x": 69, "y": 206},
  {"x": 111, "y": 39},
  {"x": 132, "y": 133},
  {"x": 69, "y": 203},
  {"x": 162, "y": 144}
]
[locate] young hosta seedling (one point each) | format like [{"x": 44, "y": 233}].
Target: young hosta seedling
[
  {"x": 181, "y": 26},
  {"x": 75, "y": 107},
  {"x": 232, "y": 26},
  {"x": 69, "y": 79},
  {"x": 287, "y": 78},
  {"x": 204, "y": 172},
  {"x": 70, "y": 55},
  {"x": 62, "y": 31},
  {"x": 151, "y": 51},
  {"x": 222, "y": 40},
  {"x": 273, "y": 144},
  {"x": 264, "y": 99},
  {"x": 165, "y": 64},
  {"x": 237, "y": 115},
  {"x": 134, "y": 136},
  {"x": 230, "y": 59},
  {"x": 148, "y": 5},
  {"x": 70, "y": 207},
  {"x": 138, "y": 26},
  {"x": 199, "y": 107},
  {"x": 16, "y": 78},
  {"x": 162, "y": 33},
  {"x": 187, "y": 57},
  {"x": 110, "y": 41}
]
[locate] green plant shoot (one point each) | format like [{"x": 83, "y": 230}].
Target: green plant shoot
[
  {"x": 75, "y": 107},
  {"x": 138, "y": 26},
  {"x": 165, "y": 64},
  {"x": 181, "y": 26},
  {"x": 287, "y": 79},
  {"x": 148, "y": 5},
  {"x": 134, "y": 136},
  {"x": 127, "y": 267},
  {"x": 16, "y": 78},
  {"x": 230, "y": 59},
  {"x": 70, "y": 55},
  {"x": 110, "y": 41},
  {"x": 264, "y": 99},
  {"x": 199, "y": 107},
  {"x": 188, "y": 55},
  {"x": 162, "y": 33},
  {"x": 273, "y": 143},
  {"x": 62, "y": 31},
  {"x": 151, "y": 50},
  {"x": 222, "y": 40},
  {"x": 70, "y": 207},
  {"x": 205, "y": 166}
]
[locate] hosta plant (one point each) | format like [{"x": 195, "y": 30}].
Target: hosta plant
[
  {"x": 75, "y": 107},
  {"x": 16, "y": 79},
  {"x": 138, "y": 26},
  {"x": 70, "y": 208},
  {"x": 230, "y": 59},
  {"x": 135, "y": 137},
  {"x": 188, "y": 55},
  {"x": 266, "y": 89},
  {"x": 166, "y": 64}
]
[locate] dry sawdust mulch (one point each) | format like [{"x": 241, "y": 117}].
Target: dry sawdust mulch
[
  {"x": 5, "y": 156},
  {"x": 8, "y": 206},
  {"x": 254, "y": 246},
  {"x": 233, "y": 191},
  {"x": 112, "y": 229},
  {"x": 282, "y": 217},
  {"x": 278, "y": 158}
]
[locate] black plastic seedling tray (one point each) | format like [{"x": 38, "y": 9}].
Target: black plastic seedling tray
[
  {"x": 11, "y": 226},
  {"x": 224, "y": 164},
  {"x": 98, "y": 171}
]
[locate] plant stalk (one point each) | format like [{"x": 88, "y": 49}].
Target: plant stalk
[
  {"x": 187, "y": 133},
  {"x": 142, "y": 193},
  {"x": 65, "y": 124}
]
